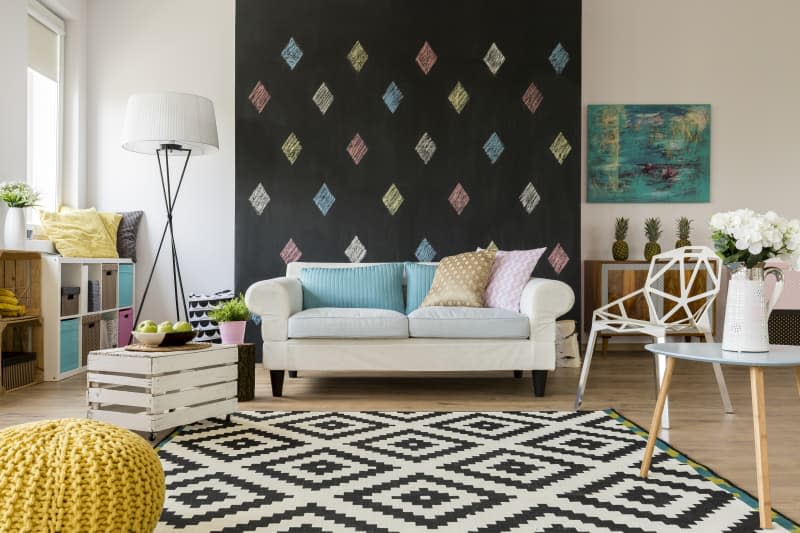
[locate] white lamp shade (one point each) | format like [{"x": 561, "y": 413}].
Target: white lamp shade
[{"x": 155, "y": 119}]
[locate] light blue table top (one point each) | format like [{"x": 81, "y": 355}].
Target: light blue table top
[{"x": 778, "y": 354}]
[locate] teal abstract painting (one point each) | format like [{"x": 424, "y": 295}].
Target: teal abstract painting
[{"x": 648, "y": 153}]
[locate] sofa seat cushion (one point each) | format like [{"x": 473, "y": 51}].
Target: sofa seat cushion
[
  {"x": 347, "y": 322},
  {"x": 468, "y": 322}
]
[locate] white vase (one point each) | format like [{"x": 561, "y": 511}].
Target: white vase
[
  {"x": 747, "y": 310},
  {"x": 14, "y": 229}
]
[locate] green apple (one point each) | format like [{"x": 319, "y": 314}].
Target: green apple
[
  {"x": 146, "y": 324},
  {"x": 182, "y": 326},
  {"x": 165, "y": 327},
  {"x": 148, "y": 328}
]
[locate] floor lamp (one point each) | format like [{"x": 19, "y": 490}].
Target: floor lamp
[{"x": 169, "y": 125}]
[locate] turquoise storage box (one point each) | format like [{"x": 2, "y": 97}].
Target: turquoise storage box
[
  {"x": 419, "y": 278},
  {"x": 374, "y": 287},
  {"x": 125, "y": 285},
  {"x": 69, "y": 355}
]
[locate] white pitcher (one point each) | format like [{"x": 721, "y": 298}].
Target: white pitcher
[{"x": 747, "y": 311}]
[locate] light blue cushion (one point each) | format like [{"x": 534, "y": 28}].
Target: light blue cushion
[
  {"x": 374, "y": 287},
  {"x": 468, "y": 323},
  {"x": 338, "y": 322},
  {"x": 419, "y": 278}
]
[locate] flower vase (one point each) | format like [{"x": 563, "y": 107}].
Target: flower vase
[
  {"x": 14, "y": 229},
  {"x": 232, "y": 332},
  {"x": 747, "y": 310}
]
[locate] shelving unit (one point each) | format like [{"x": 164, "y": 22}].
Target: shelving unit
[{"x": 69, "y": 338}]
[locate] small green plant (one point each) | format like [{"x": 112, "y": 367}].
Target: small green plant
[
  {"x": 231, "y": 311},
  {"x": 18, "y": 194}
]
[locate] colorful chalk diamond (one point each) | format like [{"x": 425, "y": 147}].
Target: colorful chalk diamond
[
  {"x": 560, "y": 148},
  {"x": 425, "y": 148},
  {"x": 492, "y": 247},
  {"x": 291, "y": 148},
  {"x": 426, "y": 58},
  {"x": 356, "y": 251},
  {"x": 493, "y": 147},
  {"x": 425, "y": 252},
  {"x": 458, "y": 198},
  {"x": 458, "y": 97},
  {"x": 291, "y": 252},
  {"x": 558, "y": 259},
  {"x": 324, "y": 199},
  {"x": 292, "y": 53},
  {"x": 357, "y": 56},
  {"x": 259, "y": 199},
  {"x": 529, "y": 198},
  {"x": 259, "y": 97},
  {"x": 393, "y": 199},
  {"x": 494, "y": 59},
  {"x": 323, "y": 98},
  {"x": 357, "y": 149},
  {"x": 532, "y": 98},
  {"x": 392, "y": 97},
  {"x": 559, "y": 58}
]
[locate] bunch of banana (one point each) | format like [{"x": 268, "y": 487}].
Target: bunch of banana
[{"x": 9, "y": 305}]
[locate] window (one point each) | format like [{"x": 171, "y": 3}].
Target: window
[{"x": 45, "y": 71}]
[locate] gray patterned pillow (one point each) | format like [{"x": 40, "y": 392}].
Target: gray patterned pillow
[{"x": 126, "y": 234}]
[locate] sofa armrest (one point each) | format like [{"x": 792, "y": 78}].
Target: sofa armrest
[
  {"x": 544, "y": 300},
  {"x": 275, "y": 300}
]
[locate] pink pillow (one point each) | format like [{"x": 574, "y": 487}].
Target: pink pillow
[{"x": 510, "y": 273}]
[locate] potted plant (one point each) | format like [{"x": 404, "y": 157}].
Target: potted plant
[
  {"x": 17, "y": 195},
  {"x": 232, "y": 318}
]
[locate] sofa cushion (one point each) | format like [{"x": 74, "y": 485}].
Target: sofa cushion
[
  {"x": 344, "y": 322},
  {"x": 375, "y": 287},
  {"x": 460, "y": 280},
  {"x": 419, "y": 277},
  {"x": 468, "y": 322}
]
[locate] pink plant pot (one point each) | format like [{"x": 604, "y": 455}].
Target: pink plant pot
[{"x": 232, "y": 332}]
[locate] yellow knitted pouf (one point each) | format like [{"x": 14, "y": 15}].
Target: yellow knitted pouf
[{"x": 76, "y": 475}]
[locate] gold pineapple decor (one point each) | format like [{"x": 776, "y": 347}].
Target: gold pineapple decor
[
  {"x": 683, "y": 231},
  {"x": 619, "y": 251},
  {"x": 652, "y": 230}
]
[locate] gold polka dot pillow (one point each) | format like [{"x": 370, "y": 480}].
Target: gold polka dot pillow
[{"x": 460, "y": 280}]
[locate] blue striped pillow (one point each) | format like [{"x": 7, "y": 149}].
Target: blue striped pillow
[
  {"x": 375, "y": 287},
  {"x": 419, "y": 279}
]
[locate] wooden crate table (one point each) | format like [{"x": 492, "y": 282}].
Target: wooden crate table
[{"x": 153, "y": 391}]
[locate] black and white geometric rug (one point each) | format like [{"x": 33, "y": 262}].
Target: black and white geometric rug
[{"x": 315, "y": 472}]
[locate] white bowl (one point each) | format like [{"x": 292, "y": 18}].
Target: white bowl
[{"x": 149, "y": 339}]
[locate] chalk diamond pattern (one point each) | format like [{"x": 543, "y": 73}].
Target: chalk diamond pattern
[
  {"x": 529, "y": 198},
  {"x": 356, "y": 250},
  {"x": 426, "y": 58},
  {"x": 493, "y": 147},
  {"x": 392, "y": 97},
  {"x": 323, "y": 97},
  {"x": 559, "y": 58},
  {"x": 291, "y": 252},
  {"x": 458, "y": 97},
  {"x": 560, "y": 148},
  {"x": 532, "y": 98},
  {"x": 357, "y": 149},
  {"x": 492, "y": 247},
  {"x": 425, "y": 251},
  {"x": 357, "y": 56},
  {"x": 393, "y": 199},
  {"x": 558, "y": 258},
  {"x": 259, "y": 198},
  {"x": 494, "y": 59},
  {"x": 259, "y": 97},
  {"x": 292, "y": 53},
  {"x": 324, "y": 199},
  {"x": 458, "y": 198},
  {"x": 291, "y": 148},
  {"x": 425, "y": 148}
]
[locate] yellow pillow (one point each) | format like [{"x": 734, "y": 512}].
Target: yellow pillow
[
  {"x": 80, "y": 233},
  {"x": 460, "y": 280},
  {"x": 110, "y": 220}
]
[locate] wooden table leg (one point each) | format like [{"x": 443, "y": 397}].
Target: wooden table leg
[
  {"x": 656, "y": 422},
  {"x": 760, "y": 434}
]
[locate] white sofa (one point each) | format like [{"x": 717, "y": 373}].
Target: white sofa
[{"x": 429, "y": 339}]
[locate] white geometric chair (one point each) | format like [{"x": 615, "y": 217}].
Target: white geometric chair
[{"x": 679, "y": 319}]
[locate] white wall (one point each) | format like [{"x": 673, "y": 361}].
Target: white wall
[
  {"x": 153, "y": 45},
  {"x": 13, "y": 89}
]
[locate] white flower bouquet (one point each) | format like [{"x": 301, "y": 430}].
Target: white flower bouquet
[
  {"x": 746, "y": 237},
  {"x": 18, "y": 194}
]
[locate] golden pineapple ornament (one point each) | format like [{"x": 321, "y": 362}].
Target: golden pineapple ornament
[
  {"x": 683, "y": 232},
  {"x": 652, "y": 230},
  {"x": 619, "y": 251}
]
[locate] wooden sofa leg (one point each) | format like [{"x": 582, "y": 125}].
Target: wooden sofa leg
[
  {"x": 276, "y": 379},
  {"x": 517, "y": 374},
  {"x": 539, "y": 382},
  {"x": 292, "y": 373}
]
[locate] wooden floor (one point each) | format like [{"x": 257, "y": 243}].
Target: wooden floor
[{"x": 623, "y": 381}]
